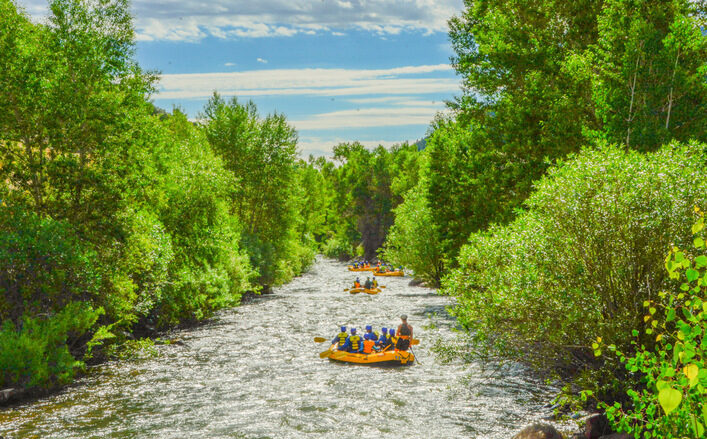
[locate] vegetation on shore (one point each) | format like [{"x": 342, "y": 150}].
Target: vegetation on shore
[
  {"x": 546, "y": 203},
  {"x": 116, "y": 218}
]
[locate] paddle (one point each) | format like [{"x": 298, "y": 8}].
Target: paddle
[{"x": 319, "y": 339}]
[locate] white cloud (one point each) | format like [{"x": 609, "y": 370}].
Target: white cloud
[
  {"x": 262, "y": 61},
  {"x": 369, "y": 117},
  {"x": 230, "y": 64},
  {"x": 316, "y": 82},
  {"x": 193, "y": 20}
]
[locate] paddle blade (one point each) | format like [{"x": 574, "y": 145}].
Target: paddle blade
[
  {"x": 414, "y": 342},
  {"x": 354, "y": 292},
  {"x": 325, "y": 354},
  {"x": 381, "y": 286},
  {"x": 319, "y": 339}
]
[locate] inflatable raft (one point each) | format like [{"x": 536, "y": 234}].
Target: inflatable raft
[
  {"x": 389, "y": 273},
  {"x": 351, "y": 268},
  {"x": 365, "y": 290},
  {"x": 388, "y": 357}
]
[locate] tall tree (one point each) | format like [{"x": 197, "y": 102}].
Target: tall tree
[
  {"x": 261, "y": 155},
  {"x": 647, "y": 72}
]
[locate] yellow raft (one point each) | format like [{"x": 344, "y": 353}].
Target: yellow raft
[
  {"x": 389, "y": 273},
  {"x": 390, "y": 356},
  {"x": 365, "y": 290},
  {"x": 351, "y": 268}
]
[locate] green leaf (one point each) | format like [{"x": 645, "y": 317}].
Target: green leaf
[
  {"x": 669, "y": 399},
  {"x": 698, "y": 226},
  {"x": 699, "y": 242},
  {"x": 692, "y": 274},
  {"x": 701, "y": 261}
]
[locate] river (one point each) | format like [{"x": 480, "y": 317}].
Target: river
[{"x": 254, "y": 372}]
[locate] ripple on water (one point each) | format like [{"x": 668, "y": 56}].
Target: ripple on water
[{"x": 254, "y": 372}]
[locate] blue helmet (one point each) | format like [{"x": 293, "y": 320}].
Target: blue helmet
[
  {"x": 392, "y": 332},
  {"x": 353, "y": 330},
  {"x": 343, "y": 329},
  {"x": 369, "y": 327},
  {"x": 385, "y": 330}
]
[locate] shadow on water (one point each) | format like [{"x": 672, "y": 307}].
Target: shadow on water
[{"x": 254, "y": 372}]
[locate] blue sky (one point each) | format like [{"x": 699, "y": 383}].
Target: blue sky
[{"x": 376, "y": 71}]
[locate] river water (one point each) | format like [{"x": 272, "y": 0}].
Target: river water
[{"x": 254, "y": 372}]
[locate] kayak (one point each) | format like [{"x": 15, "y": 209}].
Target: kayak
[
  {"x": 389, "y": 273},
  {"x": 390, "y": 356},
  {"x": 350, "y": 267},
  {"x": 365, "y": 290}
]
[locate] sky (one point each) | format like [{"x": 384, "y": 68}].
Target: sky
[{"x": 374, "y": 71}]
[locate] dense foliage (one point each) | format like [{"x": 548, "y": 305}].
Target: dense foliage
[
  {"x": 117, "y": 218},
  {"x": 582, "y": 259},
  {"x": 671, "y": 400}
]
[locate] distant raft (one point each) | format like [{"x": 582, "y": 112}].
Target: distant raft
[
  {"x": 389, "y": 357},
  {"x": 351, "y": 268},
  {"x": 389, "y": 273},
  {"x": 365, "y": 290}
]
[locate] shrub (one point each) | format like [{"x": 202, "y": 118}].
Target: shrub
[
  {"x": 581, "y": 260},
  {"x": 414, "y": 240},
  {"x": 35, "y": 353},
  {"x": 671, "y": 402}
]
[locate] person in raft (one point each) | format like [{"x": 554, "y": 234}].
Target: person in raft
[
  {"x": 374, "y": 282},
  {"x": 384, "y": 338},
  {"x": 369, "y": 340},
  {"x": 370, "y": 334},
  {"x": 404, "y": 334},
  {"x": 353, "y": 343},
  {"x": 357, "y": 283},
  {"x": 340, "y": 338},
  {"x": 368, "y": 285}
]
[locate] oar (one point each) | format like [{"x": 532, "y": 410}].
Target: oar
[
  {"x": 319, "y": 339},
  {"x": 353, "y": 291}
]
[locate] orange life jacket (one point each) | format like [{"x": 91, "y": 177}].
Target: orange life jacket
[
  {"x": 368, "y": 346},
  {"x": 357, "y": 285}
]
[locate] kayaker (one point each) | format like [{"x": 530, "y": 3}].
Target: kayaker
[
  {"x": 404, "y": 334},
  {"x": 340, "y": 338},
  {"x": 354, "y": 342},
  {"x": 368, "y": 285}
]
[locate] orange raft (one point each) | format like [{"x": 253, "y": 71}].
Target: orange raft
[
  {"x": 365, "y": 290},
  {"x": 389, "y": 273},
  {"x": 388, "y": 357},
  {"x": 351, "y": 268}
]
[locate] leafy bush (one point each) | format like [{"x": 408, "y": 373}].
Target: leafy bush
[
  {"x": 337, "y": 248},
  {"x": 671, "y": 402},
  {"x": 43, "y": 266},
  {"x": 35, "y": 353},
  {"x": 414, "y": 240},
  {"x": 582, "y": 259}
]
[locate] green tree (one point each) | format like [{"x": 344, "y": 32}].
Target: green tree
[
  {"x": 414, "y": 241},
  {"x": 647, "y": 72},
  {"x": 261, "y": 155}
]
